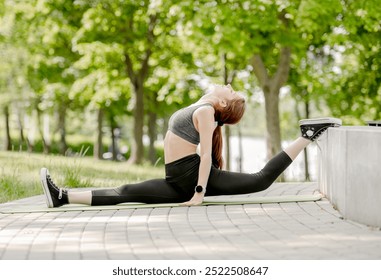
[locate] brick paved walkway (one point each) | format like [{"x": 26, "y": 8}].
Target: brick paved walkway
[{"x": 305, "y": 230}]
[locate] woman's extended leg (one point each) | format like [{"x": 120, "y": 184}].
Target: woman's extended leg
[
  {"x": 228, "y": 183},
  {"x": 151, "y": 191}
]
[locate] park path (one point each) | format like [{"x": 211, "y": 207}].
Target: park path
[{"x": 303, "y": 230}]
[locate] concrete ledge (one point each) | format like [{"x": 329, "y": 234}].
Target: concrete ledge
[{"x": 350, "y": 172}]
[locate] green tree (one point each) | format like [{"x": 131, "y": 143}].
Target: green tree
[
  {"x": 101, "y": 86},
  {"x": 50, "y": 26},
  {"x": 355, "y": 89},
  {"x": 13, "y": 86},
  {"x": 140, "y": 30}
]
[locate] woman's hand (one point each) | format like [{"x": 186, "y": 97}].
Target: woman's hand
[{"x": 196, "y": 200}]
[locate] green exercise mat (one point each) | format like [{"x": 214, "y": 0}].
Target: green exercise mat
[{"x": 231, "y": 200}]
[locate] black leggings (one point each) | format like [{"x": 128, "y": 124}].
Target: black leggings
[{"x": 181, "y": 179}]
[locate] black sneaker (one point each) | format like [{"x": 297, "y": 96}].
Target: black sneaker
[
  {"x": 312, "y": 128},
  {"x": 55, "y": 196}
]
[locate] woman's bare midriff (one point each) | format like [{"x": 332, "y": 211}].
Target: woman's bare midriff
[{"x": 175, "y": 147}]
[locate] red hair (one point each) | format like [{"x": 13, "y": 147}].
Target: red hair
[{"x": 231, "y": 114}]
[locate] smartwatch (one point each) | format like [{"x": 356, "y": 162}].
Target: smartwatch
[{"x": 199, "y": 189}]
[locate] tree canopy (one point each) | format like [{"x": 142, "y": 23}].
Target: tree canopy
[{"x": 141, "y": 60}]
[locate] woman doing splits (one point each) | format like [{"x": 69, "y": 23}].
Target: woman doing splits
[{"x": 191, "y": 175}]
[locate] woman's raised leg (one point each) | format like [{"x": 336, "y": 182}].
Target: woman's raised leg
[{"x": 228, "y": 183}]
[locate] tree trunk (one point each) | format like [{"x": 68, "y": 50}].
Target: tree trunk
[
  {"x": 273, "y": 137},
  {"x": 227, "y": 135},
  {"x": 30, "y": 145},
  {"x": 114, "y": 135},
  {"x": 152, "y": 134},
  {"x": 62, "y": 129},
  {"x": 114, "y": 148},
  {"x": 152, "y": 127},
  {"x": 306, "y": 166},
  {"x": 137, "y": 78},
  {"x": 21, "y": 128},
  {"x": 137, "y": 151},
  {"x": 271, "y": 86},
  {"x": 240, "y": 146},
  {"x": 8, "y": 139},
  {"x": 45, "y": 142},
  {"x": 31, "y": 130},
  {"x": 305, "y": 153},
  {"x": 98, "y": 147}
]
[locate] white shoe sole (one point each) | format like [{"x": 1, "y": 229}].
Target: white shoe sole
[
  {"x": 335, "y": 121},
  {"x": 43, "y": 173}
]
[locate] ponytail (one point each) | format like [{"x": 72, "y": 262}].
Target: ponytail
[
  {"x": 217, "y": 159},
  {"x": 231, "y": 114}
]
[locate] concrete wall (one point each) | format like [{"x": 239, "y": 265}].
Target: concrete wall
[{"x": 350, "y": 172}]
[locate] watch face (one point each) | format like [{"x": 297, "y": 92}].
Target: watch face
[{"x": 199, "y": 189}]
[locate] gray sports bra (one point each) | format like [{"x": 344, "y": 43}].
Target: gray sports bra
[{"x": 181, "y": 124}]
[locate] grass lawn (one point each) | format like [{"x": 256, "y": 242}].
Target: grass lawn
[{"x": 19, "y": 173}]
